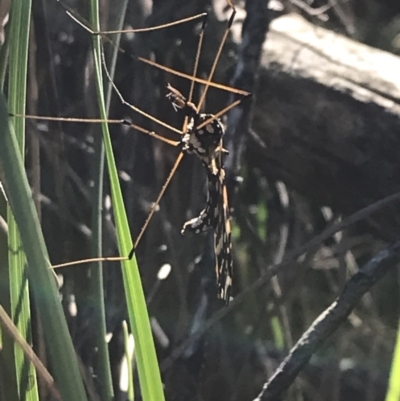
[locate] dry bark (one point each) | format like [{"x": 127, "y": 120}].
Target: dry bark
[{"x": 327, "y": 120}]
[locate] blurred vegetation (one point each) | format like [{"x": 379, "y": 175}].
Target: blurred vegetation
[{"x": 237, "y": 355}]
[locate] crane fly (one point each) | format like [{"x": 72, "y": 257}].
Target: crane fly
[
  {"x": 204, "y": 138},
  {"x": 201, "y": 134},
  {"x": 216, "y": 216}
]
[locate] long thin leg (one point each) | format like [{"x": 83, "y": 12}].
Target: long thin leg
[
  {"x": 221, "y": 112},
  {"x": 142, "y": 230},
  {"x": 117, "y": 91},
  {"x": 100, "y": 121},
  {"x": 152, "y": 133},
  {"x": 195, "y": 67},
  {"x": 155, "y": 205},
  {"x": 218, "y": 55},
  {"x": 134, "y": 108},
  {"x": 86, "y": 25},
  {"x": 208, "y": 82},
  {"x": 196, "y": 79}
]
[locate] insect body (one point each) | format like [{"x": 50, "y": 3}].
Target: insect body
[
  {"x": 203, "y": 137},
  {"x": 223, "y": 241},
  {"x": 209, "y": 215},
  {"x": 203, "y": 140},
  {"x": 216, "y": 216},
  {"x": 203, "y": 133}
]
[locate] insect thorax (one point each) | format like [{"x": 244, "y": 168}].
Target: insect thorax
[{"x": 203, "y": 141}]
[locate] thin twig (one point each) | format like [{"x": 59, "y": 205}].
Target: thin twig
[
  {"x": 254, "y": 31},
  {"x": 329, "y": 320}
]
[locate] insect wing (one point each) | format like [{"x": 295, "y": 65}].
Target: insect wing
[{"x": 223, "y": 241}]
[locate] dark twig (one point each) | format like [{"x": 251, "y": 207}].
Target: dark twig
[
  {"x": 255, "y": 28},
  {"x": 310, "y": 10},
  {"x": 329, "y": 321}
]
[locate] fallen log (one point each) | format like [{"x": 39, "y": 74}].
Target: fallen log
[{"x": 327, "y": 118}]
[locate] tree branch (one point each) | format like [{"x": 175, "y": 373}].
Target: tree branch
[{"x": 329, "y": 321}]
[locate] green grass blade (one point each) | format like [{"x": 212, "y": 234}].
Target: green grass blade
[
  {"x": 8, "y": 382},
  {"x": 149, "y": 373},
  {"x": 58, "y": 341},
  {"x": 18, "y": 282},
  {"x": 393, "y": 393},
  {"x": 103, "y": 369}
]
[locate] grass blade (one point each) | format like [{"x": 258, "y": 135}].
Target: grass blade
[
  {"x": 58, "y": 341},
  {"x": 149, "y": 372},
  {"x": 393, "y": 393},
  {"x": 103, "y": 369},
  {"x": 17, "y": 275}
]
